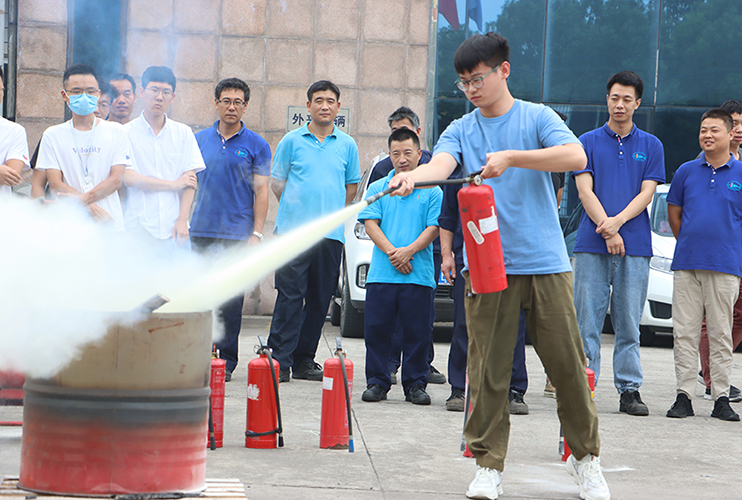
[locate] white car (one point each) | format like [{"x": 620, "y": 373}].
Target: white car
[
  {"x": 657, "y": 315},
  {"x": 347, "y": 307}
]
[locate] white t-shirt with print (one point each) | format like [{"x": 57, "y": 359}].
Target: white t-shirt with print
[
  {"x": 73, "y": 151},
  {"x": 13, "y": 146}
]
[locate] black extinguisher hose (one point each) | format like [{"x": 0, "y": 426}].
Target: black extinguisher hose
[
  {"x": 341, "y": 355},
  {"x": 475, "y": 178},
  {"x": 267, "y": 351}
]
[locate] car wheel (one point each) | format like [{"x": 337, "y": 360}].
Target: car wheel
[
  {"x": 351, "y": 321},
  {"x": 335, "y": 310},
  {"x": 646, "y": 336}
]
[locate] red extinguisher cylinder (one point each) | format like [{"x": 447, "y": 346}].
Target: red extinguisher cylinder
[
  {"x": 218, "y": 371},
  {"x": 563, "y": 446},
  {"x": 262, "y": 415},
  {"x": 481, "y": 230},
  {"x": 334, "y": 424}
]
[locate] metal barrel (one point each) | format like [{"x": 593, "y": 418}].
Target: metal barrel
[{"x": 129, "y": 416}]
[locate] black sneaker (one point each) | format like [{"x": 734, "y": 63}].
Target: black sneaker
[
  {"x": 436, "y": 377},
  {"x": 417, "y": 395},
  {"x": 735, "y": 396},
  {"x": 284, "y": 375},
  {"x": 373, "y": 394},
  {"x": 456, "y": 401},
  {"x": 631, "y": 403},
  {"x": 723, "y": 411},
  {"x": 681, "y": 408},
  {"x": 517, "y": 405},
  {"x": 393, "y": 376},
  {"x": 308, "y": 370},
  {"x": 227, "y": 375}
]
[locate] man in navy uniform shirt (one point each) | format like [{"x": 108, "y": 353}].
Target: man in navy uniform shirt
[
  {"x": 614, "y": 240},
  {"x": 232, "y": 198}
]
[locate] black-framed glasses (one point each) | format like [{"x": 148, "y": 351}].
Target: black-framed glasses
[
  {"x": 476, "y": 82},
  {"x": 238, "y": 103},
  {"x": 89, "y": 91},
  {"x": 166, "y": 93}
]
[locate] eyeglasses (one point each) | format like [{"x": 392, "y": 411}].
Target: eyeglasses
[
  {"x": 166, "y": 93},
  {"x": 227, "y": 103},
  {"x": 476, "y": 82},
  {"x": 89, "y": 91}
]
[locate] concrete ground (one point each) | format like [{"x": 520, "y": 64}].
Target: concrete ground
[{"x": 403, "y": 451}]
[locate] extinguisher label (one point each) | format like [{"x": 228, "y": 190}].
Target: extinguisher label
[
  {"x": 327, "y": 383},
  {"x": 253, "y": 392},
  {"x": 489, "y": 224},
  {"x": 472, "y": 227}
]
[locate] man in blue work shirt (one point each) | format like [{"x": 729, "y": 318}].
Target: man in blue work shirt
[
  {"x": 704, "y": 209},
  {"x": 614, "y": 238},
  {"x": 315, "y": 172},
  {"x": 232, "y": 198},
  {"x": 402, "y": 278}
]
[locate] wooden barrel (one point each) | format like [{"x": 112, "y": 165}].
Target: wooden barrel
[{"x": 130, "y": 415}]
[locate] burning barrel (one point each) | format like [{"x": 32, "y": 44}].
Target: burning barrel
[{"x": 129, "y": 416}]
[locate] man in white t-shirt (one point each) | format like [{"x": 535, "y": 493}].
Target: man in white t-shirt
[
  {"x": 13, "y": 150},
  {"x": 85, "y": 157},
  {"x": 166, "y": 159}
]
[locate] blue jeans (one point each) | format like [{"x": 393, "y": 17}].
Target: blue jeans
[{"x": 594, "y": 275}]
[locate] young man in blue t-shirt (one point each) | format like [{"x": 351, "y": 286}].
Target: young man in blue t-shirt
[
  {"x": 704, "y": 209},
  {"x": 401, "y": 279},
  {"x": 232, "y": 199},
  {"x": 614, "y": 239},
  {"x": 505, "y": 132}
]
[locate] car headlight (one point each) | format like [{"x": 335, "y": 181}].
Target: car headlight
[
  {"x": 360, "y": 231},
  {"x": 661, "y": 264}
]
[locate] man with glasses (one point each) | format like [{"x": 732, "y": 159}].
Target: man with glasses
[
  {"x": 104, "y": 101},
  {"x": 13, "y": 150},
  {"x": 517, "y": 143},
  {"x": 124, "y": 97},
  {"x": 614, "y": 238},
  {"x": 232, "y": 199},
  {"x": 166, "y": 158},
  {"x": 85, "y": 158}
]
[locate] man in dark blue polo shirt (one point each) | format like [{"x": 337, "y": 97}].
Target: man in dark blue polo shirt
[
  {"x": 232, "y": 198},
  {"x": 704, "y": 209},
  {"x": 614, "y": 241}
]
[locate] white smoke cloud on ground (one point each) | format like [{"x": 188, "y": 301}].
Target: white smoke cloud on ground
[{"x": 65, "y": 278}]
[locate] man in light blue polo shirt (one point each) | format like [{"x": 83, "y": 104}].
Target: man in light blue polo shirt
[
  {"x": 315, "y": 172},
  {"x": 704, "y": 209},
  {"x": 402, "y": 278},
  {"x": 614, "y": 239}
]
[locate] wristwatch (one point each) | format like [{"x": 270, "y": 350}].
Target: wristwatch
[{"x": 259, "y": 235}]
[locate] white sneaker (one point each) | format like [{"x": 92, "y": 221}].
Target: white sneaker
[
  {"x": 487, "y": 484},
  {"x": 588, "y": 474}
]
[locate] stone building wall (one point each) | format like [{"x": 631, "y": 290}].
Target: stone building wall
[{"x": 376, "y": 51}]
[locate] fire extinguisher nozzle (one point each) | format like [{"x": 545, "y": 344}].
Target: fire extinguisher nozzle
[{"x": 350, "y": 445}]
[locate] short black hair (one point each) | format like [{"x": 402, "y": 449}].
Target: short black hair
[
  {"x": 106, "y": 89},
  {"x": 732, "y": 106},
  {"x": 158, "y": 74},
  {"x": 79, "y": 69},
  {"x": 401, "y": 135},
  {"x": 2, "y": 75},
  {"x": 321, "y": 86},
  {"x": 404, "y": 112},
  {"x": 123, "y": 76},
  {"x": 232, "y": 83},
  {"x": 721, "y": 114},
  {"x": 491, "y": 49},
  {"x": 628, "y": 79}
]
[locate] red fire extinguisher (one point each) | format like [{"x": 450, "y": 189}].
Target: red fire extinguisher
[
  {"x": 336, "y": 427},
  {"x": 564, "y": 450},
  {"x": 263, "y": 405},
  {"x": 216, "y": 410},
  {"x": 482, "y": 238}
]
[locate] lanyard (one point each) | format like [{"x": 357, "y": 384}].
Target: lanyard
[{"x": 84, "y": 162}]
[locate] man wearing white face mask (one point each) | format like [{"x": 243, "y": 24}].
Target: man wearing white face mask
[{"x": 85, "y": 157}]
